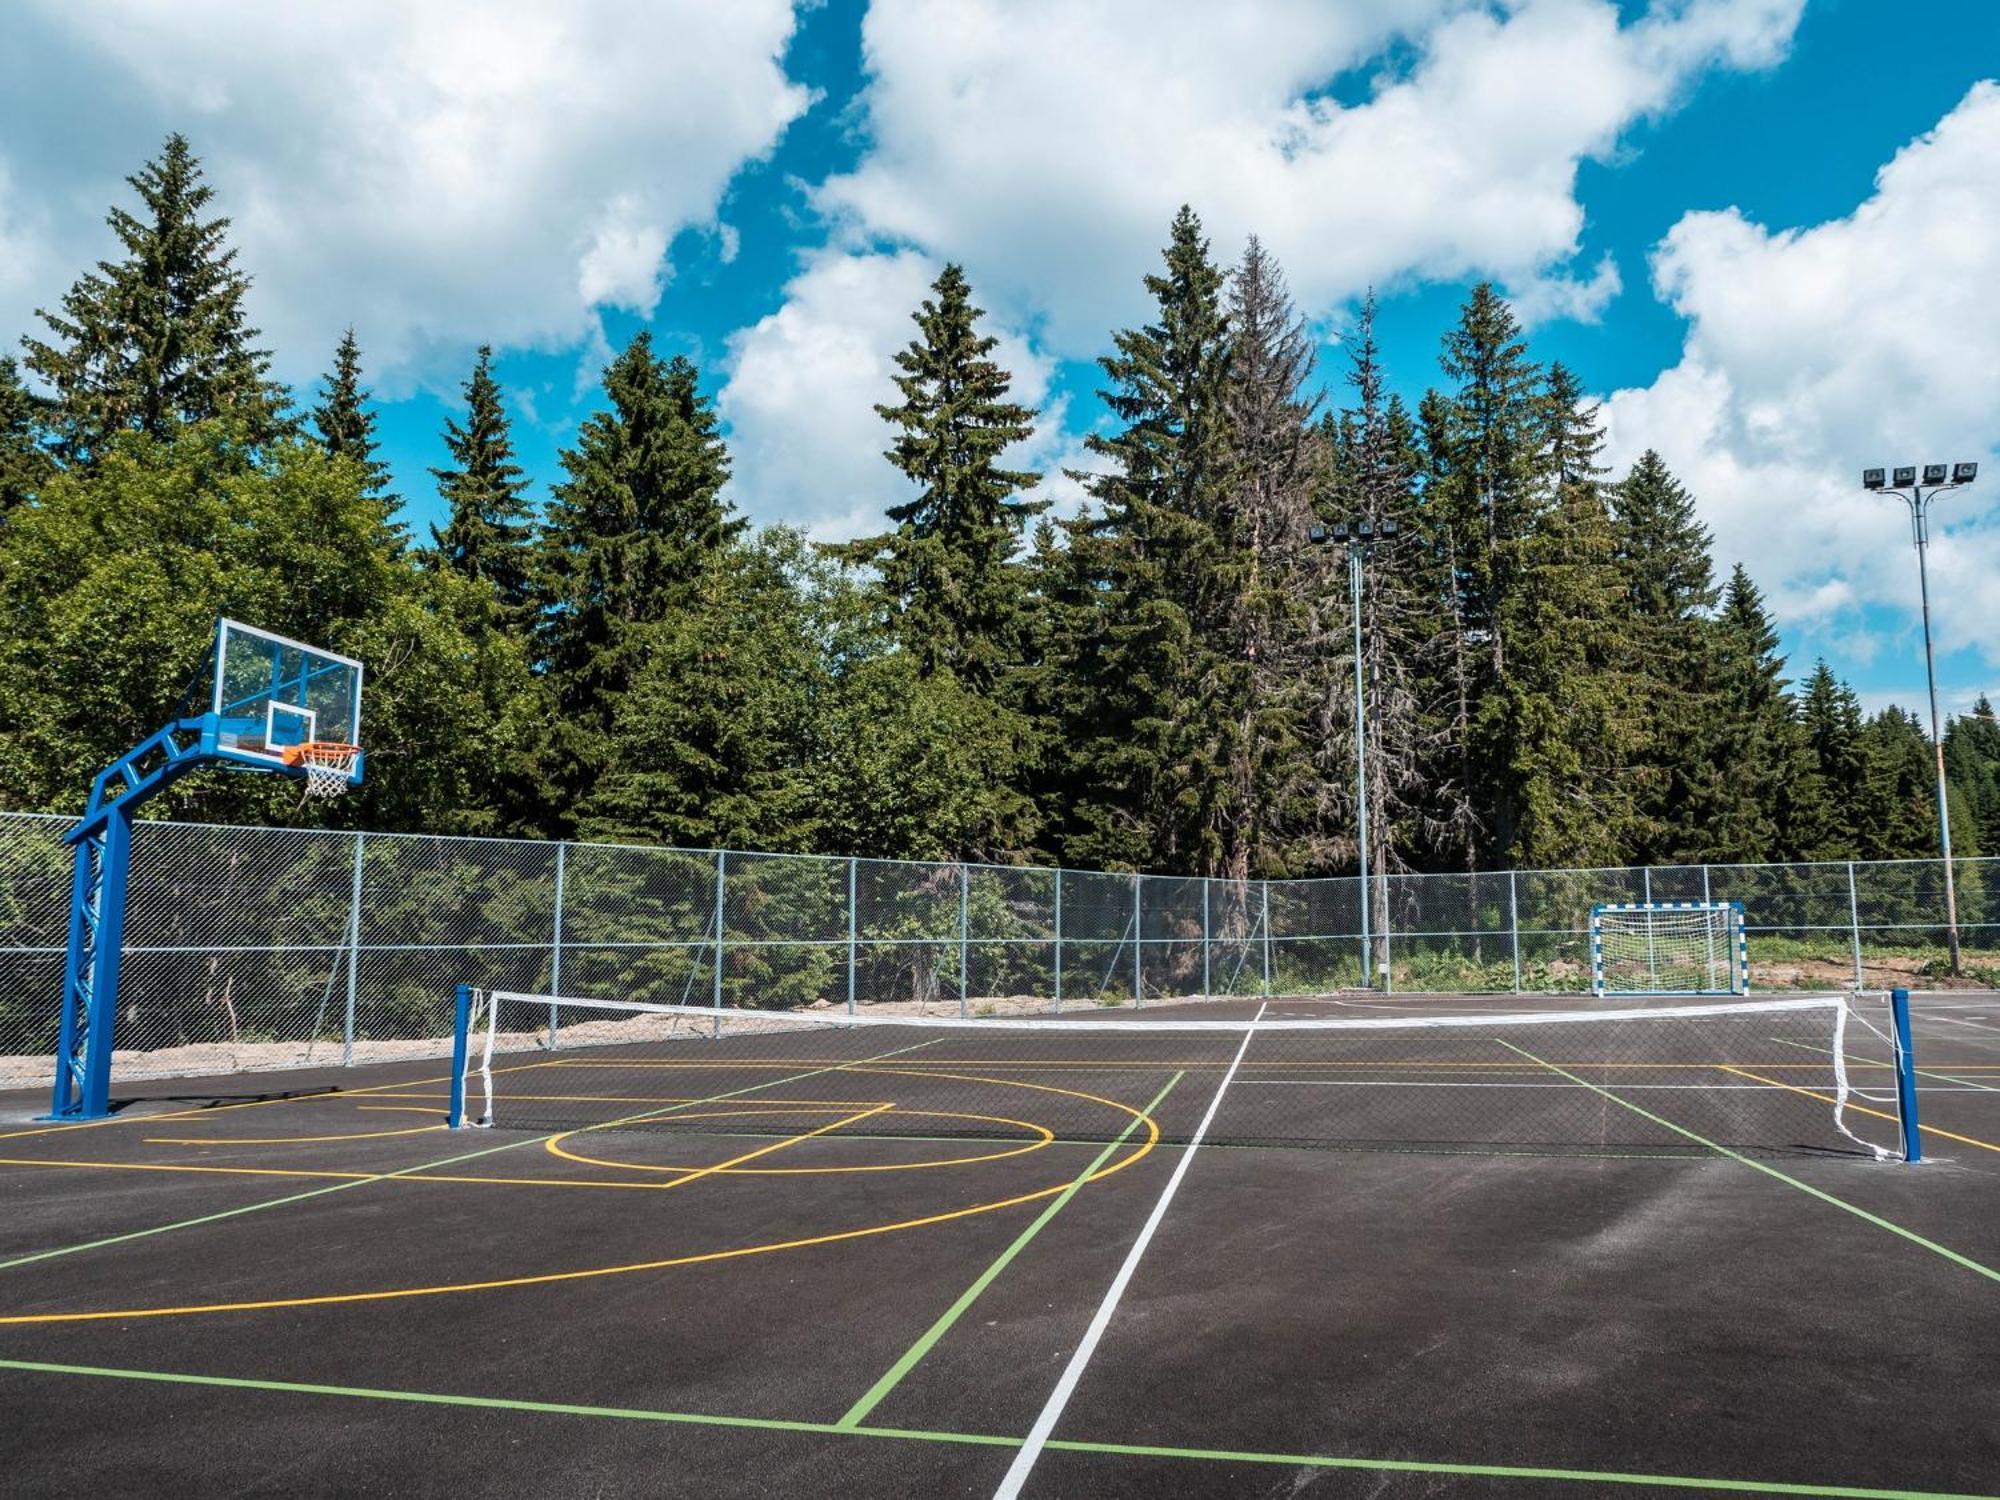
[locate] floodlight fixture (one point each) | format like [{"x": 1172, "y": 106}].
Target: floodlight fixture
[
  {"x": 1906, "y": 475},
  {"x": 1387, "y": 529},
  {"x": 1935, "y": 473},
  {"x": 1871, "y": 479},
  {"x": 1964, "y": 473},
  {"x": 1316, "y": 534},
  {"x": 1365, "y": 530}
]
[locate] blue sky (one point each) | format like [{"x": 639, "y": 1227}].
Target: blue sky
[{"x": 1767, "y": 233}]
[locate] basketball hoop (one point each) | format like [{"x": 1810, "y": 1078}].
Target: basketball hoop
[{"x": 328, "y": 764}]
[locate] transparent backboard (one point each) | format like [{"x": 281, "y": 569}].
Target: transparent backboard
[{"x": 272, "y": 693}]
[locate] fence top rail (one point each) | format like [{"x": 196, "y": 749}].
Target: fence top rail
[{"x": 1833, "y": 867}]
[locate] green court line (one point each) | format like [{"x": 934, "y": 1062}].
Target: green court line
[
  {"x": 1768, "y": 1170},
  {"x": 893, "y": 1376},
  {"x": 995, "y": 1440},
  {"x": 449, "y": 1161}
]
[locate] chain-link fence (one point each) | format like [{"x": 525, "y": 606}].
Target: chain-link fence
[{"x": 255, "y": 948}]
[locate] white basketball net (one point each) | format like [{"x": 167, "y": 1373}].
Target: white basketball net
[{"x": 328, "y": 767}]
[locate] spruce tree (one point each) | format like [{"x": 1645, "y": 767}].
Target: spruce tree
[
  {"x": 487, "y": 534},
  {"x": 159, "y": 337},
  {"x": 1562, "y": 712},
  {"x": 1372, "y": 476},
  {"x": 1752, "y": 755},
  {"x": 1488, "y": 495},
  {"x": 1267, "y": 675},
  {"x": 1457, "y": 825},
  {"x": 625, "y": 541},
  {"x": 947, "y": 569},
  {"x": 345, "y": 425},
  {"x": 1143, "y": 722},
  {"x": 1669, "y": 588},
  {"x": 1825, "y": 816},
  {"x": 1972, "y": 760},
  {"x": 24, "y": 463}
]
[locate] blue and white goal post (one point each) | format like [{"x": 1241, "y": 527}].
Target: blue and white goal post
[{"x": 1669, "y": 948}]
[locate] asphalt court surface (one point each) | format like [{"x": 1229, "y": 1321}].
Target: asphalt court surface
[{"x": 300, "y": 1281}]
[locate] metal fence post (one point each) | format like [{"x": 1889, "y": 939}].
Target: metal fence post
[
  {"x": 353, "y": 954},
  {"x": 852, "y": 865},
  {"x": 1514, "y": 925},
  {"x": 721, "y": 868},
  {"x": 1854, "y": 923},
  {"x": 1704, "y": 885},
  {"x": 1059, "y": 937},
  {"x": 1204, "y": 939},
  {"x": 1138, "y": 943},
  {"x": 555, "y": 942},
  {"x": 964, "y": 902},
  {"x": 1266, "y": 922}
]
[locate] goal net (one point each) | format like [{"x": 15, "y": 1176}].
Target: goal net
[{"x": 1669, "y": 948}]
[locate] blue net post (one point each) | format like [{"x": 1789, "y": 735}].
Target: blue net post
[
  {"x": 461, "y": 1036},
  {"x": 1906, "y": 1077}
]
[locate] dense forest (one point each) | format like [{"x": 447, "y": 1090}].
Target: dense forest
[{"x": 1555, "y": 670}]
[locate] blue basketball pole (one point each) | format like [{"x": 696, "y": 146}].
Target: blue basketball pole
[
  {"x": 461, "y": 1027},
  {"x": 101, "y": 843},
  {"x": 1906, "y": 1077}
]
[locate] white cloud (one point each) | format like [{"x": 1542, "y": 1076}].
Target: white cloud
[
  {"x": 1812, "y": 353},
  {"x": 1047, "y": 144},
  {"x": 1579, "y": 299},
  {"x": 804, "y": 383},
  {"x": 440, "y": 174}
]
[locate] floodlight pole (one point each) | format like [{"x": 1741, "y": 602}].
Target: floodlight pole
[
  {"x": 1918, "y": 498},
  {"x": 1359, "y": 537},
  {"x": 1361, "y": 766}
]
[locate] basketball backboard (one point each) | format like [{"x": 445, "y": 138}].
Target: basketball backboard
[{"x": 273, "y": 694}]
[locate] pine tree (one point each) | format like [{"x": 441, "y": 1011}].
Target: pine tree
[
  {"x": 1458, "y": 824},
  {"x": 487, "y": 534},
  {"x": 24, "y": 463},
  {"x": 1669, "y": 583},
  {"x": 1752, "y": 754},
  {"x": 1372, "y": 477},
  {"x": 158, "y": 338},
  {"x": 1488, "y": 496},
  {"x": 1267, "y": 673},
  {"x": 1972, "y": 759},
  {"x": 625, "y": 542},
  {"x": 1142, "y": 721},
  {"x": 947, "y": 569},
  {"x": 1563, "y": 708},
  {"x": 1825, "y": 814},
  {"x": 345, "y": 425}
]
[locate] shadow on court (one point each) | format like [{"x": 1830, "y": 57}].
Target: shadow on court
[{"x": 304, "y": 1282}]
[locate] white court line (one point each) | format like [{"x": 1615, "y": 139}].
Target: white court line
[
  {"x": 1624, "y": 1088},
  {"x": 1961, "y": 1021},
  {"x": 1052, "y": 1410}
]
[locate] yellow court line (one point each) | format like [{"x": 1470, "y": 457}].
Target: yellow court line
[
  {"x": 217, "y": 1109},
  {"x": 284, "y": 1140},
  {"x": 549, "y": 1277},
  {"x": 1862, "y": 1109},
  {"x": 1047, "y": 1137},
  {"x": 457, "y": 1178},
  {"x": 553, "y": 1145}
]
